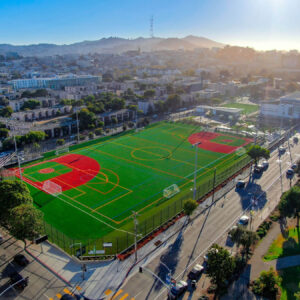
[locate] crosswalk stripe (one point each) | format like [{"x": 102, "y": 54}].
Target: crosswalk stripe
[
  {"x": 124, "y": 297},
  {"x": 58, "y": 295},
  {"x": 117, "y": 294},
  {"x": 67, "y": 291},
  {"x": 107, "y": 292}
]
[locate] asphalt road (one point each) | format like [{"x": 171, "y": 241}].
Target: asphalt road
[
  {"x": 189, "y": 245},
  {"x": 42, "y": 284}
]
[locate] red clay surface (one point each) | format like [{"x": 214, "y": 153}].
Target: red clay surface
[
  {"x": 206, "y": 144},
  {"x": 46, "y": 171},
  {"x": 83, "y": 168}
]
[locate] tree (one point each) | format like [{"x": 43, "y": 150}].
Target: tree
[
  {"x": 173, "y": 102},
  {"x": 244, "y": 237},
  {"x": 289, "y": 205},
  {"x": 25, "y": 222},
  {"x": 114, "y": 120},
  {"x": 33, "y": 137},
  {"x": 297, "y": 294},
  {"x": 12, "y": 194},
  {"x": 60, "y": 142},
  {"x": 149, "y": 94},
  {"x": 189, "y": 206},
  {"x": 257, "y": 152},
  {"x": 30, "y": 104},
  {"x": 220, "y": 266},
  {"x": 4, "y": 132},
  {"x": 87, "y": 119},
  {"x": 266, "y": 284},
  {"x": 6, "y": 112}
]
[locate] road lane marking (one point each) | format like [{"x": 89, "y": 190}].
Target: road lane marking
[
  {"x": 67, "y": 291},
  {"x": 117, "y": 294},
  {"x": 124, "y": 297},
  {"x": 107, "y": 292}
]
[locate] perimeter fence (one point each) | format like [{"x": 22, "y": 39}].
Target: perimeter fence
[{"x": 119, "y": 241}]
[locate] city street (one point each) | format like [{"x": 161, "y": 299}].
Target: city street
[{"x": 190, "y": 244}]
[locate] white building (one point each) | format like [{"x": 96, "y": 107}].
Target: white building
[{"x": 281, "y": 111}]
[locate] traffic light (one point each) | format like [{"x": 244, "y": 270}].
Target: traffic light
[{"x": 140, "y": 269}]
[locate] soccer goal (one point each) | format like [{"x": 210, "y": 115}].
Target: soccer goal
[
  {"x": 62, "y": 150},
  {"x": 52, "y": 188},
  {"x": 171, "y": 190}
]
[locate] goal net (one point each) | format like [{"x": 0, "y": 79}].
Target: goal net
[
  {"x": 52, "y": 188},
  {"x": 61, "y": 151},
  {"x": 171, "y": 190}
]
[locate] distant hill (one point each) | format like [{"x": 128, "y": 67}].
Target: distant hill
[{"x": 112, "y": 45}]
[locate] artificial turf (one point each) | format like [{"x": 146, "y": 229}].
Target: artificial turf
[
  {"x": 247, "y": 108},
  {"x": 134, "y": 170}
]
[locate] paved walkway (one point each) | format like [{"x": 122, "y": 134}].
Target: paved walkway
[{"x": 239, "y": 289}]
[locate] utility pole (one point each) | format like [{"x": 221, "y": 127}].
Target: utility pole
[
  {"x": 214, "y": 183},
  {"x": 195, "y": 173},
  {"x": 135, "y": 220}
]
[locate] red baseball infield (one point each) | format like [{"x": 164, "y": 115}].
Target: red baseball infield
[
  {"x": 205, "y": 138},
  {"x": 83, "y": 168}
]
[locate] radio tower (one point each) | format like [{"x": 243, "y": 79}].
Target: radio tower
[{"x": 151, "y": 26}]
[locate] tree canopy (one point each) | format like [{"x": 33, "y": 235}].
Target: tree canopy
[
  {"x": 6, "y": 112},
  {"x": 189, "y": 206},
  {"x": 220, "y": 265},
  {"x": 289, "y": 205},
  {"x": 257, "y": 152},
  {"x": 30, "y": 104},
  {"x": 25, "y": 222},
  {"x": 12, "y": 194}
]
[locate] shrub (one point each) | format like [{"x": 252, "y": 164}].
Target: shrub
[
  {"x": 60, "y": 142},
  {"x": 91, "y": 135},
  {"x": 99, "y": 131}
]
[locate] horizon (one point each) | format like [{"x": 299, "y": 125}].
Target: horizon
[{"x": 259, "y": 24}]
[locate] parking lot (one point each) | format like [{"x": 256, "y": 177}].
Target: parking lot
[{"x": 42, "y": 284}]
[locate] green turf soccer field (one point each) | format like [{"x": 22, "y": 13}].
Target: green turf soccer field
[{"x": 102, "y": 183}]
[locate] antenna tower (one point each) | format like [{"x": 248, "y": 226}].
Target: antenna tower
[{"x": 151, "y": 26}]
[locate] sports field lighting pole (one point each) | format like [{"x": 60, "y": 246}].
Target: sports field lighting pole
[
  {"x": 77, "y": 122},
  {"x": 135, "y": 220},
  {"x": 195, "y": 173},
  {"x": 18, "y": 158}
]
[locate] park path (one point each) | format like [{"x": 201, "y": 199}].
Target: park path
[{"x": 239, "y": 289}]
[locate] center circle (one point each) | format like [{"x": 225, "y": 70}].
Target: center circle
[
  {"x": 154, "y": 153},
  {"x": 46, "y": 171}
]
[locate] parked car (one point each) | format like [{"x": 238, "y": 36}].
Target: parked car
[
  {"x": 281, "y": 150},
  {"x": 258, "y": 168},
  {"x": 67, "y": 297},
  {"x": 195, "y": 272},
  {"x": 231, "y": 230},
  {"x": 265, "y": 164},
  {"x": 244, "y": 220},
  {"x": 177, "y": 290},
  {"x": 240, "y": 184},
  {"x": 21, "y": 260},
  {"x": 294, "y": 166},
  {"x": 19, "y": 281},
  {"x": 1, "y": 238},
  {"x": 290, "y": 172}
]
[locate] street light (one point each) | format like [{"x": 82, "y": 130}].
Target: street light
[{"x": 195, "y": 173}]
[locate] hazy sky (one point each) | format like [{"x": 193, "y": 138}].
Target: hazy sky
[{"x": 263, "y": 24}]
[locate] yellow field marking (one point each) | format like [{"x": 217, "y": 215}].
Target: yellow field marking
[
  {"x": 124, "y": 297},
  {"x": 73, "y": 187},
  {"x": 58, "y": 295},
  {"x": 67, "y": 291},
  {"x": 117, "y": 294},
  {"x": 113, "y": 200},
  {"x": 137, "y": 163},
  {"x": 107, "y": 292}
]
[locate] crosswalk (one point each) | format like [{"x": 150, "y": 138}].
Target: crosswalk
[
  {"x": 109, "y": 295},
  {"x": 119, "y": 295},
  {"x": 65, "y": 291}
]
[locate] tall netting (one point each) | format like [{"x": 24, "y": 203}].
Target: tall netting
[
  {"x": 52, "y": 188},
  {"x": 61, "y": 151},
  {"x": 171, "y": 190},
  {"x": 6, "y": 174}
]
